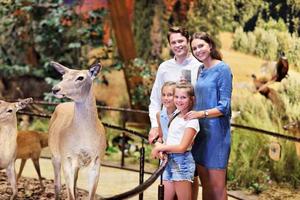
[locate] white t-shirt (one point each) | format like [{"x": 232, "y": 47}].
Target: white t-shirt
[
  {"x": 177, "y": 127},
  {"x": 169, "y": 70}
]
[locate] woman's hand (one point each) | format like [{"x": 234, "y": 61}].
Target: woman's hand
[{"x": 193, "y": 115}]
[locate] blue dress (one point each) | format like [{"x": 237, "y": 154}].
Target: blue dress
[{"x": 213, "y": 89}]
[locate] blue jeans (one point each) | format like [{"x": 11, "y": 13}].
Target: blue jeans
[{"x": 181, "y": 167}]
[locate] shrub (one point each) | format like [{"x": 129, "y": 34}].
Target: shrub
[
  {"x": 294, "y": 52},
  {"x": 240, "y": 42},
  {"x": 251, "y": 42},
  {"x": 267, "y": 45}
]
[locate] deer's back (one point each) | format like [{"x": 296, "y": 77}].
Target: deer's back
[{"x": 29, "y": 144}]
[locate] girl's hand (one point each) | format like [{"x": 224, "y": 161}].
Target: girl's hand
[
  {"x": 155, "y": 153},
  {"x": 192, "y": 115},
  {"x": 161, "y": 155}
]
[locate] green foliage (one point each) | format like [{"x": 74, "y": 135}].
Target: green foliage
[
  {"x": 246, "y": 11},
  {"x": 267, "y": 45},
  {"x": 288, "y": 90},
  {"x": 34, "y": 32},
  {"x": 141, "y": 69},
  {"x": 39, "y": 125},
  {"x": 272, "y": 24},
  {"x": 240, "y": 41},
  {"x": 206, "y": 16},
  {"x": 142, "y": 28}
]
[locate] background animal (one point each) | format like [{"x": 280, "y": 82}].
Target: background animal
[
  {"x": 76, "y": 135},
  {"x": 127, "y": 141},
  {"x": 294, "y": 128},
  {"x": 29, "y": 146},
  {"x": 8, "y": 139},
  {"x": 271, "y": 72}
]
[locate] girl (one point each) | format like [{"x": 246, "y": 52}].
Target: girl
[
  {"x": 179, "y": 173},
  {"x": 163, "y": 117}
]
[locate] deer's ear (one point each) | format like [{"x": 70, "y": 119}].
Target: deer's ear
[
  {"x": 59, "y": 67},
  {"x": 95, "y": 69},
  {"x": 23, "y": 103}
]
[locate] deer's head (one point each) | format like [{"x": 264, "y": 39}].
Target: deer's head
[
  {"x": 292, "y": 126},
  {"x": 8, "y": 110},
  {"x": 75, "y": 84}
]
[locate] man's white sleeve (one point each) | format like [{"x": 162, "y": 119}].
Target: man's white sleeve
[{"x": 155, "y": 99}]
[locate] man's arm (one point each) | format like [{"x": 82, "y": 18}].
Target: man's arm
[{"x": 155, "y": 105}]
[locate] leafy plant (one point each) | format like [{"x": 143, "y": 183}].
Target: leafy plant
[{"x": 34, "y": 32}]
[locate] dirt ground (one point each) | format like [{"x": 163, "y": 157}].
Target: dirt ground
[{"x": 30, "y": 189}]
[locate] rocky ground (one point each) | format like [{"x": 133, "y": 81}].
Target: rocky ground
[{"x": 30, "y": 189}]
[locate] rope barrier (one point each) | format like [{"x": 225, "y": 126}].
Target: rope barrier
[
  {"x": 100, "y": 107},
  {"x": 278, "y": 135}
]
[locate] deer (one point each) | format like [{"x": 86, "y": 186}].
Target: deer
[
  {"x": 29, "y": 146},
  {"x": 8, "y": 139},
  {"x": 76, "y": 135},
  {"x": 294, "y": 128}
]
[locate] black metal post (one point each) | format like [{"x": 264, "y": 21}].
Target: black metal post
[
  {"x": 123, "y": 149},
  {"x": 142, "y": 166},
  {"x": 161, "y": 189}
]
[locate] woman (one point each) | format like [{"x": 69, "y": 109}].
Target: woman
[{"x": 213, "y": 109}]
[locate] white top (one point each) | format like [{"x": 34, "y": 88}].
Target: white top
[
  {"x": 177, "y": 128},
  {"x": 169, "y": 70}
]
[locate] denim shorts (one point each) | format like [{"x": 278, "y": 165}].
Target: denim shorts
[{"x": 180, "y": 167}]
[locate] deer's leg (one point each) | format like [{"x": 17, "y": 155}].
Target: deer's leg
[
  {"x": 38, "y": 171},
  {"x": 11, "y": 174},
  {"x": 57, "y": 179},
  {"x": 23, "y": 161},
  {"x": 93, "y": 177},
  {"x": 71, "y": 168}
]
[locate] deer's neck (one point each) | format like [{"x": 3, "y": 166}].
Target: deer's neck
[
  {"x": 85, "y": 112},
  {"x": 8, "y": 133}
]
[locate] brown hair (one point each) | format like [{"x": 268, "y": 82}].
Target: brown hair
[
  {"x": 214, "y": 52},
  {"x": 178, "y": 29}
]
